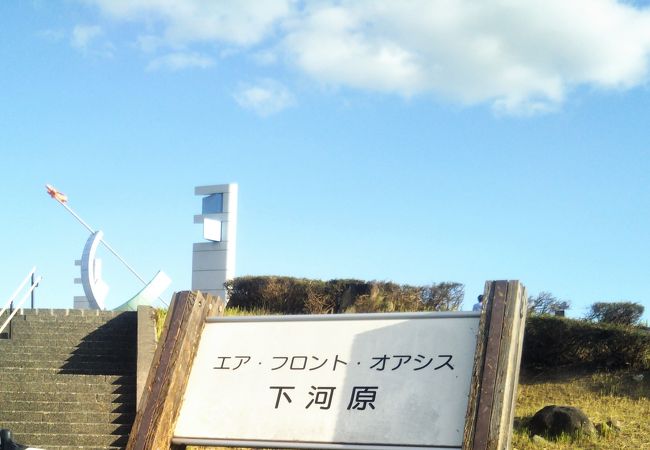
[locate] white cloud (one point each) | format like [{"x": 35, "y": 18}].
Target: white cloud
[
  {"x": 89, "y": 40},
  {"x": 519, "y": 56},
  {"x": 180, "y": 60},
  {"x": 241, "y": 22},
  {"x": 264, "y": 98},
  {"x": 149, "y": 43},
  {"x": 84, "y": 35},
  {"x": 53, "y": 35}
]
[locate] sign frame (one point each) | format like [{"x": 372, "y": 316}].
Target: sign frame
[{"x": 492, "y": 395}]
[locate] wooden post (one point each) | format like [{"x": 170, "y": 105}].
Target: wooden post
[
  {"x": 490, "y": 410},
  {"x": 161, "y": 400},
  {"x": 509, "y": 362}
]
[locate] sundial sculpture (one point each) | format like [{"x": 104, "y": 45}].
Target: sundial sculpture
[{"x": 94, "y": 286}]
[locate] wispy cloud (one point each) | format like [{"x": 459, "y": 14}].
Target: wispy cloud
[
  {"x": 180, "y": 60},
  {"x": 264, "y": 98},
  {"x": 89, "y": 39},
  {"x": 84, "y": 35},
  {"x": 241, "y": 22},
  {"x": 520, "y": 57},
  {"x": 53, "y": 35}
]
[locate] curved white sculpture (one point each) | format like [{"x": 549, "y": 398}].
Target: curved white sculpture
[
  {"x": 148, "y": 294},
  {"x": 95, "y": 288}
]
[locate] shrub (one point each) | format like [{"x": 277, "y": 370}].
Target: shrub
[
  {"x": 624, "y": 313},
  {"x": 546, "y": 303},
  {"x": 282, "y": 295},
  {"x": 444, "y": 296},
  {"x": 554, "y": 341},
  {"x": 287, "y": 295}
]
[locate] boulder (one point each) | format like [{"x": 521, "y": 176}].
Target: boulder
[
  {"x": 538, "y": 440},
  {"x": 552, "y": 421},
  {"x": 614, "y": 424}
]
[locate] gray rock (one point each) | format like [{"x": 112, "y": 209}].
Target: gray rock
[
  {"x": 552, "y": 421},
  {"x": 614, "y": 424},
  {"x": 538, "y": 440}
]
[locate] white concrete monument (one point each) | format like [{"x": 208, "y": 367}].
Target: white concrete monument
[{"x": 213, "y": 262}]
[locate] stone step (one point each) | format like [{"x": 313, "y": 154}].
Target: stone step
[
  {"x": 71, "y": 369},
  {"x": 40, "y": 351},
  {"x": 114, "y": 336},
  {"x": 65, "y": 344},
  {"x": 75, "y": 355},
  {"x": 79, "y": 354},
  {"x": 22, "y": 322},
  {"x": 73, "y": 365},
  {"x": 71, "y": 386},
  {"x": 63, "y": 396},
  {"x": 57, "y": 406},
  {"x": 19, "y": 323},
  {"x": 55, "y": 376},
  {"x": 69, "y": 362},
  {"x": 78, "y": 332},
  {"x": 47, "y": 441},
  {"x": 74, "y": 347},
  {"x": 117, "y": 338},
  {"x": 69, "y": 428},
  {"x": 85, "y": 313},
  {"x": 119, "y": 418},
  {"x": 73, "y": 316},
  {"x": 43, "y": 315}
]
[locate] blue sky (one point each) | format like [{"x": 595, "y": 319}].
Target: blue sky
[{"x": 416, "y": 142}]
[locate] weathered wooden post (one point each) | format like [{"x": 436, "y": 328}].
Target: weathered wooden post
[
  {"x": 490, "y": 411},
  {"x": 161, "y": 400}
]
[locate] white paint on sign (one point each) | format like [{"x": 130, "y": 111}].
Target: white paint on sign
[{"x": 318, "y": 381}]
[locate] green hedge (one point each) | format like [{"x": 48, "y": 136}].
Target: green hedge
[
  {"x": 288, "y": 295},
  {"x": 554, "y": 341},
  {"x": 549, "y": 341},
  {"x": 624, "y": 313}
]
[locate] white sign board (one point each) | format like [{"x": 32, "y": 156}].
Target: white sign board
[{"x": 353, "y": 381}]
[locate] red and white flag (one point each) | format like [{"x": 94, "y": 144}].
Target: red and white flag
[{"x": 56, "y": 195}]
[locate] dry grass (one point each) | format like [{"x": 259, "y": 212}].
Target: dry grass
[
  {"x": 602, "y": 396},
  {"x": 235, "y": 311}
]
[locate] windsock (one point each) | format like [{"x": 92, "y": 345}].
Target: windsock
[{"x": 56, "y": 195}]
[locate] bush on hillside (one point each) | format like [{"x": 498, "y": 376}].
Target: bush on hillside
[
  {"x": 546, "y": 303},
  {"x": 445, "y": 296},
  {"x": 287, "y": 295},
  {"x": 551, "y": 341},
  {"x": 623, "y": 313}
]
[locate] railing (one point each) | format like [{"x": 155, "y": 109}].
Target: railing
[{"x": 9, "y": 305}]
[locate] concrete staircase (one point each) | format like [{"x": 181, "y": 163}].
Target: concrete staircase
[{"x": 67, "y": 378}]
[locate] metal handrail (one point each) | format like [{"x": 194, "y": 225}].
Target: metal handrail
[
  {"x": 20, "y": 303},
  {"x": 20, "y": 288}
]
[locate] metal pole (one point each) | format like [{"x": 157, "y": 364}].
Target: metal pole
[
  {"x": 33, "y": 291},
  {"x": 89, "y": 228}
]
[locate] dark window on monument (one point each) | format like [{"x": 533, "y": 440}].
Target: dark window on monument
[{"x": 213, "y": 204}]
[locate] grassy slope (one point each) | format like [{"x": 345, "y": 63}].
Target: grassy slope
[{"x": 602, "y": 396}]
